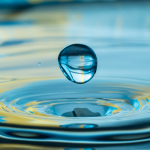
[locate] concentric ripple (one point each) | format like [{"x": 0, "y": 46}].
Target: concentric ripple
[{"x": 33, "y": 112}]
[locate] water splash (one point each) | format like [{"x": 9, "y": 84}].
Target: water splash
[
  {"x": 33, "y": 112},
  {"x": 78, "y": 63}
]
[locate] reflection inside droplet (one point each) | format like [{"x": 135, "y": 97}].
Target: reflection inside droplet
[{"x": 78, "y": 63}]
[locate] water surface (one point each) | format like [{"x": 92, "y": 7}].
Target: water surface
[{"x": 34, "y": 93}]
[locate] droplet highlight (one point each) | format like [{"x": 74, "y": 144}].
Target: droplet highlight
[{"x": 78, "y": 63}]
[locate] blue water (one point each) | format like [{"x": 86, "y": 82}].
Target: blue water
[
  {"x": 34, "y": 94},
  {"x": 78, "y": 63},
  {"x": 33, "y": 112}
]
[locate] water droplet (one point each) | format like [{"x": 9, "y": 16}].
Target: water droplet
[
  {"x": 78, "y": 63},
  {"x": 39, "y": 64}
]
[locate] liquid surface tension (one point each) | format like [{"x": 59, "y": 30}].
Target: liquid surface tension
[{"x": 78, "y": 63}]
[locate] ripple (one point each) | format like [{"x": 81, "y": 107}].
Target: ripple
[{"x": 33, "y": 111}]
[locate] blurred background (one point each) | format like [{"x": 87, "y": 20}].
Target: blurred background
[{"x": 33, "y": 32}]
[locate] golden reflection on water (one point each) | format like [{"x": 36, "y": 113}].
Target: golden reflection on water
[
  {"x": 8, "y": 84},
  {"x": 54, "y": 27},
  {"x": 13, "y": 115},
  {"x": 26, "y": 147},
  {"x": 17, "y": 118}
]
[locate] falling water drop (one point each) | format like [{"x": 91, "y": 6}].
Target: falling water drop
[{"x": 78, "y": 63}]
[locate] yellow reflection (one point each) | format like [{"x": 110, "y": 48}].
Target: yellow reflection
[
  {"x": 10, "y": 85},
  {"x": 12, "y": 117},
  {"x": 21, "y": 118},
  {"x": 82, "y": 64},
  {"x": 41, "y": 1},
  {"x": 118, "y": 109},
  {"x": 26, "y": 147}
]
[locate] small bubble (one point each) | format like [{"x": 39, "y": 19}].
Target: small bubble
[
  {"x": 78, "y": 63},
  {"x": 39, "y": 64}
]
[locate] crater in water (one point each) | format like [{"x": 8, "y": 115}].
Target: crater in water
[
  {"x": 78, "y": 63},
  {"x": 36, "y": 109}
]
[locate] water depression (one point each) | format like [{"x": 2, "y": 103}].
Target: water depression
[{"x": 33, "y": 111}]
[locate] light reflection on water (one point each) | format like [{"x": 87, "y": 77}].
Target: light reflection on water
[
  {"x": 34, "y": 94},
  {"x": 32, "y": 112}
]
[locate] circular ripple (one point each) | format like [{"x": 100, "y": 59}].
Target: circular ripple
[{"x": 36, "y": 109}]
